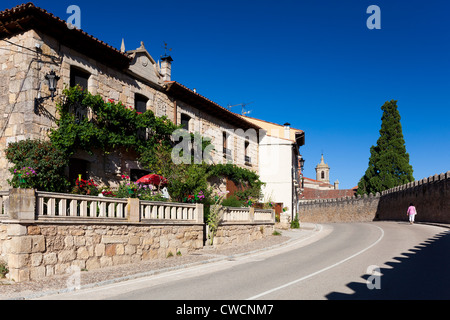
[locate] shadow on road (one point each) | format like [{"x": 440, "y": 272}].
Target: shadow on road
[{"x": 422, "y": 273}]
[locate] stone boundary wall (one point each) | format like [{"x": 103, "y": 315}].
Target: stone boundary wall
[
  {"x": 431, "y": 196},
  {"x": 241, "y": 233},
  {"x": 35, "y": 246},
  {"x": 347, "y": 209},
  {"x": 44, "y": 249}
]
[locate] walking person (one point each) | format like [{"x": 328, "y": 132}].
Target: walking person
[{"x": 411, "y": 213}]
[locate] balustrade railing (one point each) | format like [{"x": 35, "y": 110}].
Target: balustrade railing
[
  {"x": 80, "y": 206},
  {"x": 247, "y": 215}
]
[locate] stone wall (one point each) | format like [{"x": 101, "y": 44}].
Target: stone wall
[
  {"x": 3, "y": 239},
  {"x": 44, "y": 249},
  {"x": 236, "y": 234},
  {"x": 431, "y": 196},
  {"x": 349, "y": 209}
]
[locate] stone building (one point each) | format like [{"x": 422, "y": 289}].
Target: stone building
[{"x": 34, "y": 42}]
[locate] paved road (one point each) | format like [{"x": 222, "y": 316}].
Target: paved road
[{"x": 339, "y": 262}]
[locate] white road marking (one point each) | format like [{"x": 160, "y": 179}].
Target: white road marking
[{"x": 320, "y": 271}]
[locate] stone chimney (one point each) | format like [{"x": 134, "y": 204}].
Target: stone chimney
[
  {"x": 166, "y": 68},
  {"x": 336, "y": 185},
  {"x": 287, "y": 130}
]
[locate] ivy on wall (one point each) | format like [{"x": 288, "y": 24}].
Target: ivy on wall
[{"x": 88, "y": 122}]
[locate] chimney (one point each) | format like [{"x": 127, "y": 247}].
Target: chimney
[
  {"x": 287, "y": 131},
  {"x": 336, "y": 185},
  {"x": 166, "y": 68}
]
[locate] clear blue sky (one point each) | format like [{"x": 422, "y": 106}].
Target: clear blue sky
[{"x": 312, "y": 63}]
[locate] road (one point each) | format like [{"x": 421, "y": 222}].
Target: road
[{"x": 380, "y": 260}]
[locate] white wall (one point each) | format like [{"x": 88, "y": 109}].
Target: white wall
[{"x": 276, "y": 169}]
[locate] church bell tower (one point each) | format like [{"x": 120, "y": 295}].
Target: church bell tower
[{"x": 323, "y": 172}]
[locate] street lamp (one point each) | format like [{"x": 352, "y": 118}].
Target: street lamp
[
  {"x": 302, "y": 164},
  {"x": 52, "y": 80}
]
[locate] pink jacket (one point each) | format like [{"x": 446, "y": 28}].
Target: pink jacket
[{"x": 412, "y": 210}]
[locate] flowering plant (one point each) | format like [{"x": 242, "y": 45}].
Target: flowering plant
[
  {"x": 25, "y": 177},
  {"x": 108, "y": 194},
  {"x": 285, "y": 209},
  {"x": 195, "y": 198},
  {"x": 85, "y": 187},
  {"x": 25, "y": 172},
  {"x": 250, "y": 202}
]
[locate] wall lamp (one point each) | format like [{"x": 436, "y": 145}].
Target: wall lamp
[{"x": 52, "y": 81}]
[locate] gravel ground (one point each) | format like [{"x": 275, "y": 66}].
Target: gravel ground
[{"x": 14, "y": 291}]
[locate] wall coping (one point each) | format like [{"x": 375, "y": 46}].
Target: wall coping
[{"x": 431, "y": 179}]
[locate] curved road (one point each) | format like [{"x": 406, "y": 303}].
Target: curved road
[{"x": 342, "y": 261}]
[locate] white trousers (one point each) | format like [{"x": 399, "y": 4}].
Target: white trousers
[{"x": 411, "y": 217}]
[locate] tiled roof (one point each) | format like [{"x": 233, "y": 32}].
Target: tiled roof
[{"x": 28, "y": 16}]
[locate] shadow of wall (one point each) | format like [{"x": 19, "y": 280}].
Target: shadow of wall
[{"x": 402, "y": 278}]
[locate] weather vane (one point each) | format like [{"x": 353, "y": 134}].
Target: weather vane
[{"x": 166, "y": 50}]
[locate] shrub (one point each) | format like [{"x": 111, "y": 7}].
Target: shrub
[
  {"x": 44, "y": 159},
  {"x": 233, "y": 202},
  {"x": 3, "y": 270}
]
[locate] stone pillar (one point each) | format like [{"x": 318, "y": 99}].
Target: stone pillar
[
  {"x": 23, "y": 246},
  {"x": 22, "y": 204},
  {"x": 133, "y": 212},
  {"x": 199, "y": 213},
  {"x": 251, "y": 215}
]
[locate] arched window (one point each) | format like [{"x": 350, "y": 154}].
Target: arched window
[{"x": 323, "y": 175}]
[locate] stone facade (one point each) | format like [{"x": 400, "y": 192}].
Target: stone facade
[{"x": 29, "y": 55}]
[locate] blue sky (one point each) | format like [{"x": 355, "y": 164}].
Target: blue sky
[{"x": 312, "y": 63}]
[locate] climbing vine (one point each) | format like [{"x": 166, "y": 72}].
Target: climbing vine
[{"x": 88, "y": 122}]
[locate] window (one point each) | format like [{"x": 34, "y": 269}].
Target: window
[
  {"x": 248, "y": 160},
  {"x": 185, "y": 119},
  {"x": 140, "y": 103},
  {"x": 323, "y": 175},
  {"x": 79, "y": 77},
  {"x": 226, "y": 151}
]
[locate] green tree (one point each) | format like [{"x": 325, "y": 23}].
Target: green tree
[{"x": 389, "y": 162}]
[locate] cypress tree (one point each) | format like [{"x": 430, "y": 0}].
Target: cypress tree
[{"x": 389, "y": 162}]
